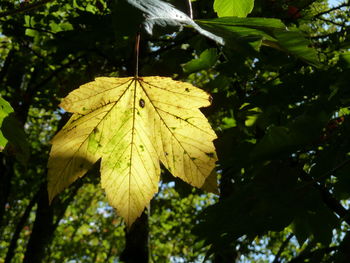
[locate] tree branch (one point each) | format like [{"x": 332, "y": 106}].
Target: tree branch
[
  {"x": 42, "y": 229},
  {"x": 282, "y": 247},
  {"x": 56, "y": 72},
  {"x": 324, "y": 36},
  {"x": 332, "y": 9},
  {"x": 339, "y": 166},
  {"x": 6, "y": 172},
  {"x": 136, "y": 241},
  {"x": 19, "y": 227},
  {"x": 24, "y": 8},
  {"x": 330, "y": 201},
  {"x": 6, "y": 64},
  {"x": 60, "y": 211},
  {"x": 330, "y": 21},
  {"x": 33, "y": 89}
]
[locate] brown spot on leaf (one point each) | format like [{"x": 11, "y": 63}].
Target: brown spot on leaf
[{"x": 142, "y": 103}]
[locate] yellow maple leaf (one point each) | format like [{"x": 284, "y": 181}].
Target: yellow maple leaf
[{"x": 133, "y": 124}]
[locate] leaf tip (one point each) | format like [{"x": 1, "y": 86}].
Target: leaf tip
[
  {"x": 211, "y": 183},
  {"x": 51, "y": 194}
]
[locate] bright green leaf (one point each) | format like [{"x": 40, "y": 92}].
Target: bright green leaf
[
  {"x": 5, "y": 110},
  {"x": 240, "y": 8}
]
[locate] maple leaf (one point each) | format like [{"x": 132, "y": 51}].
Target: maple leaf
[{"x": 133, "y": 124}]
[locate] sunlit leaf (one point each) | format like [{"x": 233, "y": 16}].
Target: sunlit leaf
[
  {"x": 240, "y": 8},
  {"x": 5, "y": 110},
  {"x": 12, "y": 136},
  {"x": 133, "y": 124}
]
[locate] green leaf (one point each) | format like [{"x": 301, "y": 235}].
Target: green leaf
[
  {"x": 12, "y": 135},
  {"x": 244, "y": 28},
  {"x": 272, "y": 32},
  {"x": 239, "y": 32},
  {"x": 252, "y": 22},
  {"x": 5, "y": 110},
  {"x": 268, "y": 203},
  {"x": 278, "y": 140},
  {"x": 240, "y": 8},
  {"x": 314, "y": 220},
  {"x": 345, "y": 60},
  {"x": 296, "y": 44},
  {"x": 206, "y": 60}
]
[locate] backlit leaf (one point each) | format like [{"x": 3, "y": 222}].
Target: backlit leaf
[
  {"x": 12, "y": 136},
  {"x": 5, "y": 110},
  {"x": 240, "y": 8},
  {"x": 133, "y": 124}
]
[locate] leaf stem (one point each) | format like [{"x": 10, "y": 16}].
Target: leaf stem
[
  {"x": 137, "y": 53},
  {"x": 190, "y": 9}
]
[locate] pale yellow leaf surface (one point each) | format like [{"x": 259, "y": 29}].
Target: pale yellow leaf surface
[{"x": 133, "y": 124}]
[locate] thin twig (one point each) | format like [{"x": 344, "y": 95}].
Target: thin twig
[
  {"x": 324, "y": 36},
  {"x": 137, "y": 53},
  {"x": 330, "y": 21},
  {"x": 24, "y": 8},
  {"x": 330, "y": 172},
  {"x": 333, "y": 170}
]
